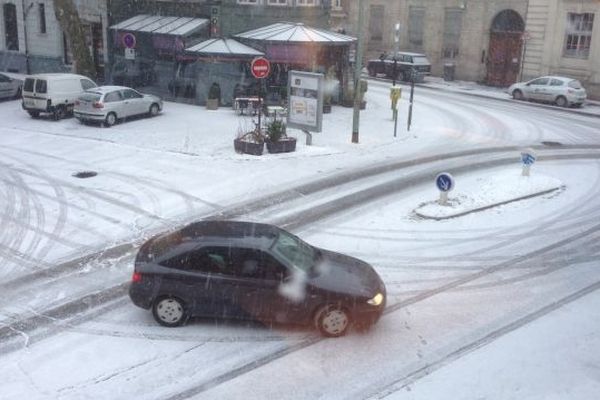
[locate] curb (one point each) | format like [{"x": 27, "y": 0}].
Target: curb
[
  {"x": 460, "y": 214},
  {"x": 483, "y": 96}
]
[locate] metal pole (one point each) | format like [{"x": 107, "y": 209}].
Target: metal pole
[
  {"x": 357, "y": 71},
  {"x": 412, "y": 92},
  {"x": 259, "y": 104},
  {"x": 25, "y": 13}
]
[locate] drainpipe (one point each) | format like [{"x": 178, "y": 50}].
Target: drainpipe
[{"x": 25, "y": 13}]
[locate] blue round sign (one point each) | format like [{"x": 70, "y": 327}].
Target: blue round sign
[
  {"x": 129, "y": 40},
  {"x": 444, "y": 182},
  {"x": 527, "y": 158}
]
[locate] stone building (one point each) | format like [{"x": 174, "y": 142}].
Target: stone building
[{"x": 33, "y": 41}]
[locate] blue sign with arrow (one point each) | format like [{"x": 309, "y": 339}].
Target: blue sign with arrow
[
  {"x": 444, "y": 182},
  {"x": 528, "y": 158}
]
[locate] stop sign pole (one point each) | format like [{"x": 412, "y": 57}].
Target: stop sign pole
[{"x": 260, "y": 68}]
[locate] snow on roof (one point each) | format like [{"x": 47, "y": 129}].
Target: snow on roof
[
  {"x": 164, "y": 25},
  {"x": 297, "y": 33},
  {"x": 224, "y": 47}
]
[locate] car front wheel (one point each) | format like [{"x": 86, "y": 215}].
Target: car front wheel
[
  {"x": 332, "y": 321},
  {"x": 517, "y": 94},
  {"x": 154, "y": 109},
  {"x": 169, "y": 311}
]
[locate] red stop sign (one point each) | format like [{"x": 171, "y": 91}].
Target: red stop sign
[{"x": 260, "y": 67}]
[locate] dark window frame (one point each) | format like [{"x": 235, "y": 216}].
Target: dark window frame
[{"x": 42, "y": 17}]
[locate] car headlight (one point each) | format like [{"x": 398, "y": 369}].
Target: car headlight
[{"x": 377, "y": 300}]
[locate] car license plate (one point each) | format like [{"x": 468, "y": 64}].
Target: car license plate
[{"x": 29, "y": 103}]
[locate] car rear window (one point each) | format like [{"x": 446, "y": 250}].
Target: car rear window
[
  {"x": 92, "y": 97},
  {"x": 41, "y": 86},
  {"x": 575, "y": 85},
  {"x": 28, "y": 85},
  {"x": 420, "y": 60}
]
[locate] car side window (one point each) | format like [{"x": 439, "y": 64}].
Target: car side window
[
  {"x": 556, "y": 82},
  {"x": 41, "y": 86},
  {"x": 87, "y": 84},
  {"x": 214, "y": 260},
  {"x": 539, "y": 81},
  {"x": 113, "y": 97},
  {"x": 131, "y": 94},
  {"x": 257, "y": 264}
]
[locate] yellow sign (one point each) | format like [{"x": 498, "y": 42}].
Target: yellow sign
[{"x": 395, "y": 95}]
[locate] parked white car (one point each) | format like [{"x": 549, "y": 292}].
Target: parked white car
[
  {"x": 108, "y": 104},
  {"x": 563, "y": 92},
  {"x": 10, "y": 86},
  {"x": 53, "y": 93}
]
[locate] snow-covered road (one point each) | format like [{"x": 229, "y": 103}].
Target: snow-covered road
[{"x": 453, "y": 285}]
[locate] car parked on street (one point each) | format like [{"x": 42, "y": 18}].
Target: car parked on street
[
  {"x": 53, "y": 93},
  {"x": 108, "y": 104},
  {"x": 407, "y": 65},
  {"x": 564, "y": 92},
  {"x": 245, "y": 270},
  {"x": 10, "y": 86}
]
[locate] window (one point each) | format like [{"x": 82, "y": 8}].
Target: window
[
  {"x": 556, "y": 82},
  {"x": 247, "y": 1},
  {"x": 42, "y": 16},
  {"x": 578, "y": 35},
  {"x": 307, "y": 3},
  {"x": 539, "y": 81},
  {"x": 113, "y": 96},
  {"x": 68, "y": 54},
  {"x": 416, "y": 21},
  {"x": 28, "y": 85},
  {"x": 336, "y": 4},
  {"x": 277, "y": 2},
  {"x": 256, "y": 264},
  {"x": 11, "y": 32},
  {"x": 41, "y": 86},
  {"x": 131, "y": 94},
  {"x": 452, "y": 28},
  {"x": 376, "y": 22}
]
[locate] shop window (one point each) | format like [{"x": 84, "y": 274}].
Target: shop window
[
  {"x": 307, "y": 3},
  {"x": 277, "y": 2},
  {"x": 11, "y": 33},
  {"x": 578, "y": 35}
]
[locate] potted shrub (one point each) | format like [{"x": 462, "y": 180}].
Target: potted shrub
[
  {"x": 277, "y": 139},
  {"x": 252, "y": 142},
  {"x": 214, "y": 97}
]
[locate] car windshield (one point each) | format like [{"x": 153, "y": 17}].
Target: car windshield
[{"x": 295, "y": 252}]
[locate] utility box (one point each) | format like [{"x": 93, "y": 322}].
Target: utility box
[{"x": 449, "y": 69}]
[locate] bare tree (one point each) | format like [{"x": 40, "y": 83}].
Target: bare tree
[{"x": 70, "y": 23}]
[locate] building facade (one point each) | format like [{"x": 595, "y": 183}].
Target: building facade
[{"x": 33, "y": 40}]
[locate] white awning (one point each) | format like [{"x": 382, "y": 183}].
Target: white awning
[
  {"x": 296, "y": 33},
  {"x": 224, "y": 47},
  {"x": 180, "y": 26}
]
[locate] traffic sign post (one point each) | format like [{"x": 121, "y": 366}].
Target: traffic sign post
[
  {"x": 445, "y": 184},
  {"x": 260, "y": 68},
  {"x": 528, "y": 158}
]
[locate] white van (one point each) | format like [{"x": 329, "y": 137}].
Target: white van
[{"x": 53, "y": 93}]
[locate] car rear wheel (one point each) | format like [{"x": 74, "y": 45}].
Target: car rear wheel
[
  {"x": 154, "y": 109},
  {"x": 110, "y": 120},
  {"x": 561, "y": 101},
  {"x": 332, "y": 321},
  {"x": 169, "y": 311},
  {"x": 59, "y": 113},
  {"x": 517, "y": 94}
]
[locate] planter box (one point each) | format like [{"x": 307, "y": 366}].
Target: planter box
[
  {"x": 255, "y": 149},
  {"x": 282, "y": 146},
  {"x": 212, "y": 104}
]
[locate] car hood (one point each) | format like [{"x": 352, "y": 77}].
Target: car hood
[{"x": 343, "y": 274}]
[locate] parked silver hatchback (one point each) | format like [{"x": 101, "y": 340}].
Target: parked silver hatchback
[
  {"x": 563, "y": 92},
  {"x": 108, "y": 104}
]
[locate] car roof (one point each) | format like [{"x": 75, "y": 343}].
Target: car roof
[
  {"x": 408, "y": 53},
  {"x": 56, "y": 75},
  {"x": 215, "y": 233},
  {"x": 106, "y": 89}
]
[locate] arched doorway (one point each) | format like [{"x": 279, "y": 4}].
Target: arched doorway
[{"x": 505, "y": 51}]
